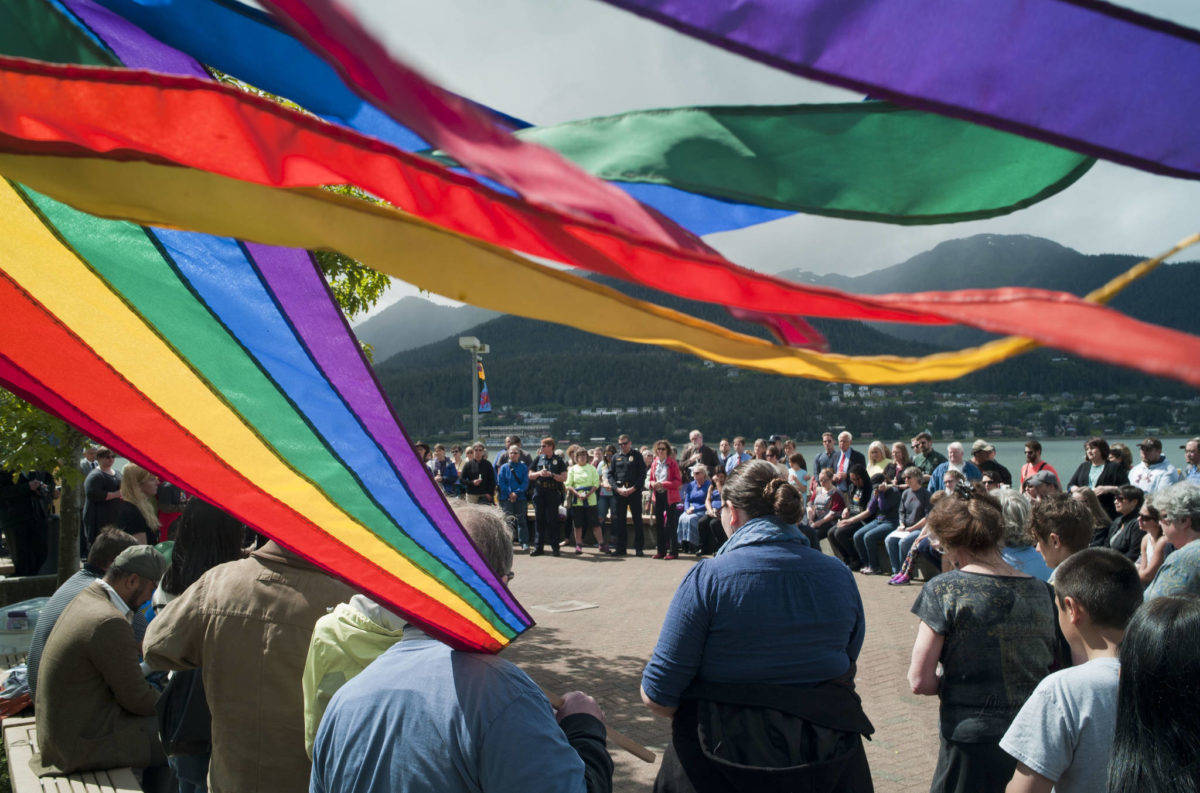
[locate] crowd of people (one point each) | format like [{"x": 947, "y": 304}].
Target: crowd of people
[{"x": 1053, "y": 626}]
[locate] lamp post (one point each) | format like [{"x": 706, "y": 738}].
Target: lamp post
[{"x": 476, "y": 348}]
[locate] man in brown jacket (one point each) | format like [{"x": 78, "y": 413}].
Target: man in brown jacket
[
  {"x": 247, "y": 625},
  {"x": 94, "y": 708}
]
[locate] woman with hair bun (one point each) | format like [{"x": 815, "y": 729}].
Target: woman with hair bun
[{"x": 755, "y": 661}]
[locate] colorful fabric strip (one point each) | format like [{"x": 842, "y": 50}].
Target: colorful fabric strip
[
  {"x": 470, "y": 135},
  {"x": 155, "y": 383},
  {"x": 245, "y": 43},
  {"x": 1083, "y": 74},
  {"x": 633, "y": 150},
  {"x": 435, "y": 259},
  {"x": 47, "y": 108},
  {"x": 861, "y": 160}
]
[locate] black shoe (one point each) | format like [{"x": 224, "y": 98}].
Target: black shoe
[
  {"x": 536, "y": 552},
  {"x": 639, "y": 552},
  {"x": 616, "y": 553},
  {"x": 555, "y": 552}
]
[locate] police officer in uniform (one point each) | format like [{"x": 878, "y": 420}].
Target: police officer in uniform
[
  {"x": 627, "y": 476},
  {"x": 547, "y": 474}
]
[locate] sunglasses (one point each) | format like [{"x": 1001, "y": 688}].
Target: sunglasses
[{"x": 1143, "y": 516}]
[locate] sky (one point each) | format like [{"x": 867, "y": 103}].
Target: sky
[{"x": 550, "y": 61}]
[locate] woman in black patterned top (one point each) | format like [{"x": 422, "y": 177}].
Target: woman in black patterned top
[{"x": 995, "y": 632}]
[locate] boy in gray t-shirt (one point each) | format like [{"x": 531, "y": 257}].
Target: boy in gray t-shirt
[{"x": 1062, "y": 737}]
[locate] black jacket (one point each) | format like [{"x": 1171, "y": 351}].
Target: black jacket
[
  {"x": 479, "y": 469},
  {"x": 1113, "y": 474},
  {"x": 1124, "y": 536},
  {"x": 768, "y": 739},
  {"x": 586, "y": 735},
  {"x": 628, "y": 470}
]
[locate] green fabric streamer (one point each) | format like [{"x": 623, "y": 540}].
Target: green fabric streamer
[
  {"x": 30, "y": 29},
  {"x": 861, "y": 160}
]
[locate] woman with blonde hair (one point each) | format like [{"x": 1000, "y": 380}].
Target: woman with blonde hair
[
  {"x": 137, "y": 513},
  {"x": 876, "y": 458}
]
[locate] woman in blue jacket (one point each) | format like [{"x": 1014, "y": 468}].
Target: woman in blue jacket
[{"x": 755, "y": 661}]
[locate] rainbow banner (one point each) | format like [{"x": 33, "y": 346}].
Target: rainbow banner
[
  {"x": 485, "y": 400},
  {"x": 284, "y": 426},
  {"x": 227, "y": 368}
]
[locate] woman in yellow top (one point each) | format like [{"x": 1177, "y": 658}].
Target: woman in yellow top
[
  {"x": 583, "y": 480},
  {"x": 876, "y": 458}
]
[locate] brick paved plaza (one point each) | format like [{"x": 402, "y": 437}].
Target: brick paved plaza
[{"x": 602, "y": 651}]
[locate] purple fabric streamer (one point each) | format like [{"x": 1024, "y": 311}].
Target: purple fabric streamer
[
  {"x": 1081, "y": 74},
  {"x": 290, "y": 275},
  {"x": 132, "y": 45}
]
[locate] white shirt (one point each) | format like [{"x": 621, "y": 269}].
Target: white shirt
[
  {"x": 1154, "y": 476},
  {"x": 116, "y": 599}
]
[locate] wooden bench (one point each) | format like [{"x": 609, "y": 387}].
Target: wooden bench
[{"x": 20, "y": 743}]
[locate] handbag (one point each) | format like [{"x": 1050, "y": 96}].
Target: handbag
[{"x": 184, "y": 721}]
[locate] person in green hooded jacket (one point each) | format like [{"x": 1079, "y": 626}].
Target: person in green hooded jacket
[{"x": 344, "y": 642}]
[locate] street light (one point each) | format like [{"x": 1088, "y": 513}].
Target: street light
[{"x": 472, "y": 345}]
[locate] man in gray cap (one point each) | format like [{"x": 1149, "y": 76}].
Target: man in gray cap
[
  {"x": 1154, "y": 472},
  {"x": 984, "y": 455},
  {"x": 1042, "y": 484},
  {"x": 95, "y": 709}
]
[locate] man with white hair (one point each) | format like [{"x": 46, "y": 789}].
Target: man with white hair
[
  {"x": 425, "y": 717},
  {"x": 956, "y": 458},
  {"x": 1191, "y": 454},
  {"x": 845, "y": 459},
  {"x": 697, "y": 452}
]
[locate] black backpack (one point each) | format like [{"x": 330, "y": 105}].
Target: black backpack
[{"x": 184, "y": 721}]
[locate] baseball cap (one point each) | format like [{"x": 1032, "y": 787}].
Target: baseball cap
[
  {"x": 980, "y": 445},
  {"x": 1149, "y": 443},
  {"x": 143, "y": 560},
  {"x": 1043, "y": 477}
]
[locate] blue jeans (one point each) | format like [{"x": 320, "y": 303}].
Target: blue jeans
[
  {"x": 191, "y": 770},
  {"x": 898, "y": 548},
  {"x": 868, "y": 537},
  {"x": 519, "y": 510}
]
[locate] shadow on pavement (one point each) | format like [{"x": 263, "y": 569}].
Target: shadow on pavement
[{"x": 559, "y": 666}]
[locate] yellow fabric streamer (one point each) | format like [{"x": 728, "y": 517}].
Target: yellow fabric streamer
[
  {"x": 53, "y": 275},
  {"x": 463, "y": 268}
]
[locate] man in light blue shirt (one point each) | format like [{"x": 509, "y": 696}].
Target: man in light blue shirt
[
  {"x": 956, "y": 459},
  {"x": 1191, "y": 453},
  {"x": 738, "y": 456},
  {"x": 427, "y": 718}
]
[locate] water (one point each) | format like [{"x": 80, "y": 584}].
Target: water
[{"x": 1065, "y": 454}]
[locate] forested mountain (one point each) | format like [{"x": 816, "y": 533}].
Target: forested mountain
[
  {"x": 557, "y": 370},
  {"x": 413, "y": 322}
]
